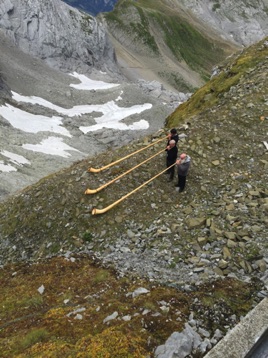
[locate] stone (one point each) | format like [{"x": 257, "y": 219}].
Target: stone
[
  {"x": 130, "y": 234},
  {"x": 203, "y": 332},
  {"x": 218, "y": 271},
  {"x": 111, "y": 317},
  {"x": 196, "y": 222},
  {"x": 226, "y": 253},
  {"x": 41, "y": 289},
  {"x": 139, "y": 291},
  {"x": 179, "y": 344},
  {"x": 216, "y": 162},
  {"x": 202, "y": 240},
  {"x": 230, "y": 207},
  {"x": 223, "y": 264},
  {"x": 256, "y": 228},
  {"x": 231, "y": 243},
  {"x": 119, "y": 219},
  {"x": 230, "y": 235},
  {"x": 261, "y": 265}
]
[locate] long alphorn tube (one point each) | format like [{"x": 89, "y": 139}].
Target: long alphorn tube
[
  {"x": 102, "y": 211},
  {"x": 94, "y": 170},
  {"x": 94, "y": 191}
]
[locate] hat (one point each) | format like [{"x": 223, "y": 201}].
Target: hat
[{"x": 183, "y": 155}]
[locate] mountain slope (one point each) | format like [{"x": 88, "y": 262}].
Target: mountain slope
[
  {"x": 227, "y": 140},
  {"x": 242, "y": 21},
  {"x": 78, "y": 284},
  {"x": 162, "y": 40},
  {"x": 212, "y": 234},
  {"x": 225, "y": 80}
]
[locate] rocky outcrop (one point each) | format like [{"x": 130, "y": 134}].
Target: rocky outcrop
[
  {"x": 242, "y": 21},
  {"x": 61, "y": 35},
  {"x": 4, "y": 90}
]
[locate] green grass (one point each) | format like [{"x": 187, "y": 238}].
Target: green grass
[
  {"x": 33, "y": 337},
  {"x": 208, "y": 95},
  {"x": 186, "y": 43}
]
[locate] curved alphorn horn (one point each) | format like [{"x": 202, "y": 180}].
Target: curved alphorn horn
[
  {"x": 102, "y": 211},
  {"x": 94, "y": 170},
  {"x": 94, "y": 191}
]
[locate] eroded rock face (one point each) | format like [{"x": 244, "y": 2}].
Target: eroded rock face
[
  {"x": 61, "y": 35},
  {"x": 243, "y": 21},
  {"x": 4, "y": 90}
]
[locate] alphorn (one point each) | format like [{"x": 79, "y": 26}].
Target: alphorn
[
  {"x": 104, "y": 210},
  {"x": 95, "y": 170},
  {"x": 94, "y": 191}
]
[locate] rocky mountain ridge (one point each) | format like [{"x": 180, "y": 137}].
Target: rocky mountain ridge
[
  {"x": 244, "y": 22},
  {"x": 178, "y": 70},
  {"x": 62, "y": 36}
]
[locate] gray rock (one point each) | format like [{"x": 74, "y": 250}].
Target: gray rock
[
  {"x": 227, "y": 19},
  {"x": 111, "y": 317},
  {"x": 87, "y": 45},
  {"x": 179, "y": 345}
]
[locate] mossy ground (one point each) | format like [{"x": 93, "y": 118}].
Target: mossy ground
[{"x": 46, "y": 325}]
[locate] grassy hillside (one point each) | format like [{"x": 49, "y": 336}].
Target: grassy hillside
[
  {"x": 154, "y": 28},
  {"x": 234, "y": 70}
]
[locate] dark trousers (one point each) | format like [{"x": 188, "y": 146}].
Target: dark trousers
[
  {"x": 171, "y": 170},
  {"x": 181, "y": 182}
]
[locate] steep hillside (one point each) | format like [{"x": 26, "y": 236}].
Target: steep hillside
[
  {"x": 161, "y": 40},
  {"x": 217, "y": 94},
  {"x": 199, "y": 256}
]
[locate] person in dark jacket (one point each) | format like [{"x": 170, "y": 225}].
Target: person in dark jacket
[
  {"x": 173, "y": 135},
  {"x": 183, "y": 165},
  {"x": 172, "y": 153}
]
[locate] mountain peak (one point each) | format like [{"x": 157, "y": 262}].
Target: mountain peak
[{"x": 61, "y": 35}]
